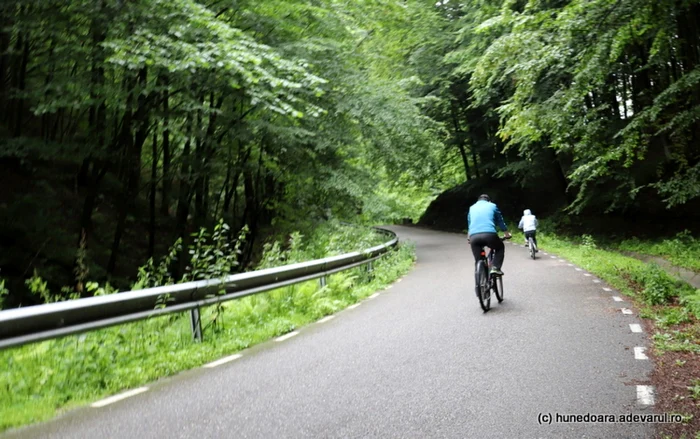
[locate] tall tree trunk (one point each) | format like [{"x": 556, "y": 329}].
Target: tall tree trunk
[
  {"x": 133, "y": 146},
  {"x": 5, "y": 24},
  {"x": 21, "y": 85},
  {"x": 152, "y": 204},
  {"x": 165, "y": 196}
]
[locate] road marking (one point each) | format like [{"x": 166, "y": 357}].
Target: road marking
[
  {"x": 287, "y": 336},
  {"x": 606, "y": 289},
  {"x": 553, "y": 257},
  {"x": 325, "y": 319},
  {"x": 626, "y": 311},
  {"x": 373, "y": 296},
  {"x": 635, "y": 327},
  {"x": 587, "y": 274},
  {"x": 354, "y": 306},
  {"x": 617, "y": 299},
  {"x": 570, "y": 265},
  {"x": 561, "y": 260},
  {"x": 596, "y": 281},
  {"x": 387, "y": 287},
  {"x": 645, "y": 395},
  {"x": 223, "y": 360},
  {"x": 640, "y": 354},
  {"x": 544, "y": 253},
  {"x": 119, "y": 397},
  {"x": 578, "y": 269}
]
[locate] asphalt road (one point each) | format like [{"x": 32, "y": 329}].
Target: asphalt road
[{"x": 421, "y": 360}]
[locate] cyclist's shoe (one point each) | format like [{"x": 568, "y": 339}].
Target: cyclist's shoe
[{"x": 496, "y": 272}]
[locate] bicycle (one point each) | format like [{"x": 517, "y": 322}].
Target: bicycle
[
  {"x": 532, "y": 247},
  {"x": 486, "y": 282}
]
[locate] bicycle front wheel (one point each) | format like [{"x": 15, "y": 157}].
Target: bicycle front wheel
[{"x": 482, "y": 286}]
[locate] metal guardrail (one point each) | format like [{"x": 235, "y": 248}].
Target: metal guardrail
[{"x": 54, "y": 320}]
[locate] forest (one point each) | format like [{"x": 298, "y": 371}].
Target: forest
[{"x": 127, "y": 125}]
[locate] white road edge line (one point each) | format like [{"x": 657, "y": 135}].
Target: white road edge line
[
  {"x": 119, "y": 397},
  {"x": 626, "y": 311},
  {"x": 635, "y": 327},
  {"x": 645, "y": 395},
  {"x": 354, "y": 306},
  {"x": 596, "y": 281},
  {"x": 606, "y": 289},
  {"x": 578, "y": 269},
  {"x": 373, "y": 296},
  {"x": 223, "y": 360},
  {"x": 325, "y": 319},
  {"x": 570, "y": 265},
  {"x": 287, "y": 336},
  {"x": 640, "y": 353},
  {"x": 617, "y": 299},
  {"x": 587, "y": 274}
]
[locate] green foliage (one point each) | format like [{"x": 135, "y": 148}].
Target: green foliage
[
  {"x": 3, "y": 292},
  {"x": 672, "y": 316},
  {"x": 211, "y": 255},
  {"x": 658, "y": 287}
]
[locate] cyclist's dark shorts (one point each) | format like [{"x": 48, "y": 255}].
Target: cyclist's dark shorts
[{"x": 490, "y": 240}]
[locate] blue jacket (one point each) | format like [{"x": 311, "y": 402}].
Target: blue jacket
[{"x": 483, "y": 217}]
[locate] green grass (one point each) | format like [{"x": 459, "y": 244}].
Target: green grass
[
  {"x": 43, "y": 379},
  {"x": 683, "y": 250}
]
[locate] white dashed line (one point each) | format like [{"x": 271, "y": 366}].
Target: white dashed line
[
  {"x": 578, "y": 269},
  {"x": 553, "y": 257},
  {"x": 645, "y": 395},
  {"x": 387, "y": 287},
  {"x": 287, "y": 336},
  {"x": 606, "y": 289},
  {"x": 587, "y": 274},
  {"x": 354, "y": 306},
  {"x": 373, "y": 296},
  {"x": 119, "y": 397},
  {"x": 570, "y": 265},
  {"x": 640, "y": 353},
  {"x": 617, "y": 299},
  {"x": 626, "y": 311},
  {"x": 596, "y": 281},
  {"x": 325, "y": 319},
  {"x": 561, "y": 260},
  {"x": 544, "y": 253},
  {"x": 223, "y": 360},
  {"x": 635, "y": 327}
]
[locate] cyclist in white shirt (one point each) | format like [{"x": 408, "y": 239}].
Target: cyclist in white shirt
[{"x": 529, "y": 225}]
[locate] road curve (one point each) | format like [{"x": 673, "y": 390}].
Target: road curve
[{"x": 421, "y": 360}]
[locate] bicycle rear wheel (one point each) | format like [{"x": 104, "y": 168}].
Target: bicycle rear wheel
[
  {"x": 482, "y": 286},
  {"x": 531, "y": 244},
  {"x": 498, "y": 288}
]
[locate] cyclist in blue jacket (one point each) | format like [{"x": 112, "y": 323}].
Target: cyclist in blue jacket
[{"x": 482, "y": 219}]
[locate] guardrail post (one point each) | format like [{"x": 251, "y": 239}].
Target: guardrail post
[
  {"x": 323, "y": 281},
  {"x": 196, "y": 324},
  {"x": 369, "y": 267}
]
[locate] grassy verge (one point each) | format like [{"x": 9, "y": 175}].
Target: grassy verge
[
  {"x": 683, "y": 250},
  {"x": 671, "y": 309},
  {"x": 44, "y": 379}
]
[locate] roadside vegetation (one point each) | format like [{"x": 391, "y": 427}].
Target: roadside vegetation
[{"x": 43, "y": 379}]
